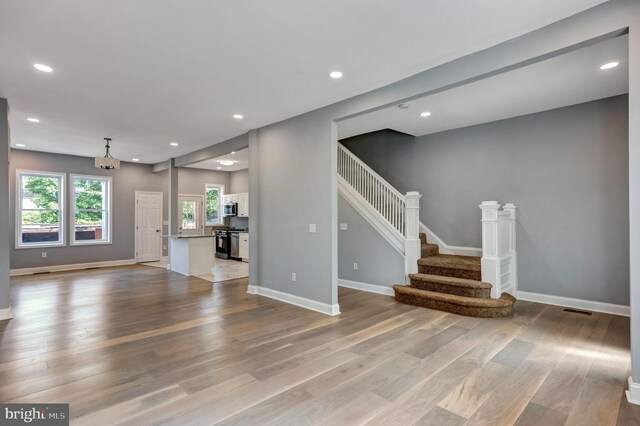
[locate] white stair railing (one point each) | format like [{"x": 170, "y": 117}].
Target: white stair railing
[
  {"x": 394, "y": 215},
  {"x": 499, "y": 256}
]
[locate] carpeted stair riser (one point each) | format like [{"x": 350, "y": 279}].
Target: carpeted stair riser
[
  {"x": 451, "y": 288},
  {"x": 429, "y": 250},
  {"x": 450, "y": 272},
  {"x": 482, "y": 308}
]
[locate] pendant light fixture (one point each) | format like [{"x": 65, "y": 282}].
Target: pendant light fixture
[{"x": 107, "y": 162}]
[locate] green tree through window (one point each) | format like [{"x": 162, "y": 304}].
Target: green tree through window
[{"x": 213, "y": 204}]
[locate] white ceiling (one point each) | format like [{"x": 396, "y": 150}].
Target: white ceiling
[
  {"x": 240, "y": 159},
  {"x": 148, "y": 72},
  {"x": 565, "y": 80}
]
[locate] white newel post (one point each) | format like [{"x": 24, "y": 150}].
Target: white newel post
[
  {"x": 490, "y": 262},
  {"x": 511, "y": 209},
  {"x": 412, "y": 240}
]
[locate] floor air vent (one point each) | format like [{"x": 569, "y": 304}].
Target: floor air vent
[{"x": 577, "y": 311}]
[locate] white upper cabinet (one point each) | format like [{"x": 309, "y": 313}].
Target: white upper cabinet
[
  {"x": 241, "y": 199},
  {"x": 243, "y": 204}
]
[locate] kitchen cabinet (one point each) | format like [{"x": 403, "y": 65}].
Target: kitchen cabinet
[
  {"x": 241, "y": 199},
  {"x": 231, "y": 198},
  {"x": 243, "y": 204},
  {"x": 244, "y": 246}
]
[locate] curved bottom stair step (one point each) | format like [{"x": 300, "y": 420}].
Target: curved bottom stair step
[
  {"x": 451, "y": 285},
  {"x": 468, "y": 306}
]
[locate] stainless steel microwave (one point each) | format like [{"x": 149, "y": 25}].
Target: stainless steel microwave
[{"x": 230, "y": 209}]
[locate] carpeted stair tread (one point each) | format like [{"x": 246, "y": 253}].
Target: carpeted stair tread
[
  {"x": 451, "y": 285},
  {"x": 449, "y": 265},
  {"x": 470, "y": 263},
  {"x": 461, "y": 305}
]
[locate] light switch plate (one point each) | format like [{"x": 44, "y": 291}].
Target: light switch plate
[
  {"x": 344, "y": 226},
  {"x": 165, "y": 222},
  {"x": 312, "y": 228}
]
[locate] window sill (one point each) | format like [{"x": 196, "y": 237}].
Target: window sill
[
  {"x": 38, "y": 246},
  {"x": 90, "y": 243}
]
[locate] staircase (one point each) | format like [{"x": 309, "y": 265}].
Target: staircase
[
  {"x": 453, "y": 284},
  {"x": 465, "y": 285}
]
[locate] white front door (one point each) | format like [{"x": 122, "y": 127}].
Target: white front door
[
  {"x": 148, "y": 226},
  {"x": 191, "y": 212}
]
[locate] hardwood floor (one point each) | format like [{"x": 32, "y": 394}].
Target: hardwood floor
[{"x": 140, "y": 345}]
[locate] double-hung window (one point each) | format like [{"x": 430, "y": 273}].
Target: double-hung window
[
  {"x": 213, "y": 203},
  {"x": 91, "y": 209},
  {"x": 40, "y": 209}
]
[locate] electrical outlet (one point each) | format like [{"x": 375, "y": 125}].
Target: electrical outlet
[
  {"x": 344, "y": 226},
  {"x": 44, "y": 254},
  {"x": 355, "y": 266},
  {"x": 312, "y": 228},
  {"x": 293, "y": 276},
  {"x": 164, "y": 247}
]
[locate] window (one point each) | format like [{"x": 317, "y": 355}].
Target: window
[
  {"x": 91, "y": 203},
  {"x": 213, "y": 196},
  {"x": 40, "y": 214}
]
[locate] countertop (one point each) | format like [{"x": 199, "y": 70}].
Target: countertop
[{"x": 188, "y": 236}]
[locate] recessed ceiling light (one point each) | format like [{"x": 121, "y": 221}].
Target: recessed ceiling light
[
  {"x": 20, "y": 145},
  {"x": 238, "y": 116},
  {"x": 33, "y": 120},
  {"x": 425, "y": 114},
  {"x": 233, "y": 152},
  {"x": 609, "y": 65},
  {"x": 226, "y": 162},
  {"x": 335, "y": 74},
  {"x": 218, "y": 167},
  {"x": 173, "y": 143},
  {"x": 43, "y": 68},
  {"x": 135, "y": 160}
]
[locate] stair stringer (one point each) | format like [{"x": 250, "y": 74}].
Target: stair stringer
[{"x": 371, "y": 215}]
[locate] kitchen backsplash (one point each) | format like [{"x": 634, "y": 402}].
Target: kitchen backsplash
[{"x": 237, "y": 222}]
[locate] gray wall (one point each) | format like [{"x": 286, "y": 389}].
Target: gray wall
[
  {"x": 565, "y": 169},
  {"x": 378, "y": 262},
  {"x": 292, "y": 186},
  {"x": 238, "y": 182},
  {"x": 5, "y": 205},
  {"x": 193, "y": 181},
  {"x": 130, "y": 178}
]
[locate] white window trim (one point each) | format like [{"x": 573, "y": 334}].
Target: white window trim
[
  {"x": 61, "y": 204},
  {"x": 220, "y": 206},
  {"x": 72, "y": 216}
]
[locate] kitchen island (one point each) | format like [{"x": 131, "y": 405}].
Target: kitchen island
[{"x": 191, "y": 254}]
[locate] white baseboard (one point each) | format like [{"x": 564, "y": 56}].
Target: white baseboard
[
  {"x": 371, "y": 288},
  {"x": 633, "y": 394},
  {"x": 73, "y": 267},
  {"x": 6, "y": 313},
  {"x": 446, "y": 249},
  {"x": 303, "y": 302},
  {"x": 587, "y": 305}
]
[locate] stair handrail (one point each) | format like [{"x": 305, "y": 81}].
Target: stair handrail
[{"x": 363, "y": 179}]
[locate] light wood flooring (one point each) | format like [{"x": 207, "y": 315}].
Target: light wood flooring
[{"x": 140, "y": 345}]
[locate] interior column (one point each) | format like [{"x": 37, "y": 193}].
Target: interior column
[
  {"x": 174, "y": 214},
  {"x": 633, "y": 395},
  {"x": 5, "y": 212}
]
